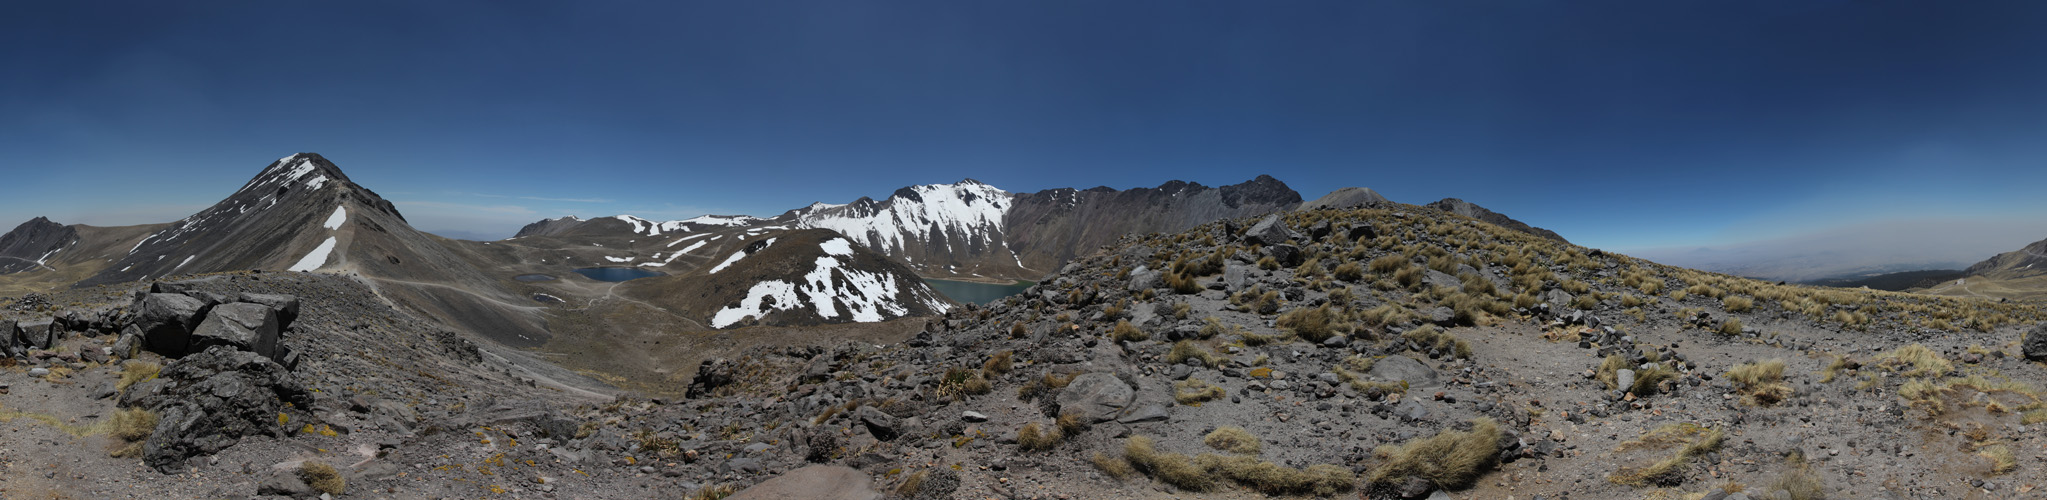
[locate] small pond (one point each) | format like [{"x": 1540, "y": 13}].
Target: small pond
[
  {"x": 977, "y": 293},
  {"x": 616, "y": 274},
  {"x": 533, "y": 277}
]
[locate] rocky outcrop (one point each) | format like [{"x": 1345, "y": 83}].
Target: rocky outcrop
[
  {"x": 1468, "y": 209},
  {"x": 1345, "y": 198},
  {"x": 207, "y": 401}
]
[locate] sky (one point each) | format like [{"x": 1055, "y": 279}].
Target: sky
[{"x": 1663, "y": 128}]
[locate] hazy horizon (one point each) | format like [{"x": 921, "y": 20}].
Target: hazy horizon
[{"x": 1756, "y": 131}]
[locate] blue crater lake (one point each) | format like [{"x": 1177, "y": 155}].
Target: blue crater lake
[
  {"x": 968, "y": 292},
  {"x": 616, "y": 274}
]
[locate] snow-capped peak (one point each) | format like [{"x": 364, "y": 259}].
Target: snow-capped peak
[{"x": 965, "y": 208}]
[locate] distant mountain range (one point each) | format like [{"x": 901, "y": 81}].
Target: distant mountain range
[{"x": 969, "y": 229}]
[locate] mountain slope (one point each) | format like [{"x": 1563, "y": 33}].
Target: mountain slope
[
  {"x": 30, "y": 245},
  {"x": 1469, "y": 209},
  {"x": 793, "y": 278},
  {"x": 1052, "y": 227},
  {"x": 2019, "y": 274},
  {"x": 301, "y": 213},
  {"x": 1350, "y": 197}
]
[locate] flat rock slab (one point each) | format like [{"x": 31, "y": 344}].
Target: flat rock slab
[
  {"x": 1402, "y": 368},
  {"x": 818, "y": 482},
  {"x": 1096, "y": 396}
]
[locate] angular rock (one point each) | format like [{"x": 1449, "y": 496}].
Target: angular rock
[
  {"x": 129, "y": 344},
  {"x": 10, "y": 338},
  {"x": 711, "y": 375},
  {"x": 882, "y": 425},
  {"x": 243, "y": 326},
  {"x": 167, "y": 321},
  {"x": 1236, "y": 277},
  {"x": 973, "y": 416},
  {"x": 207, "y": 401},
  {"x": 1404, "y": 369},
  {"x": 1145, "y": 279},
  {"x": 1146, "y": 413},
  {"x": 1268, "y": 231},
  {"x": 1624, "y": 377},
  {"x": 1286, "y": 255},
  {"x": 287, "y": 306},
  {"x": 1361, "y": 230},
  {"x": 1097, "y": 397},
  {"x": 2034, "y": 344},
  {"x": 38, "y": 334}
]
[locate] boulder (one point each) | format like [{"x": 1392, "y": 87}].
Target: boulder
[
  {"x": 1236, "y": 277},
  {"x": 1319, "y": 230},
  {"x": 1361, "y": 230},
  {"x": 711, "y": 375},
  {"x": 1097, "y": 397},
  {"x": 287, "y": 306},
  {"x": 1558, "y": 300},
  {"x": 1145, "y": 279},
  {"x": 1287, "y": 255},
  {"x": 1625, "y": 378},
  {"x": 241, "y": 325},
  {"x": 10, "y": 338},
  {"x": 208, "y": 400},
  {"x": 167, "y": 321},
  {"x": 816, "y": 482},
  {"x": 129, "y": 344},
  {"x": 1404, "y": 369},
  {"x": 1268, "y": 231},
  {"x": 883, "y": 426},
  {"x": 2034, "y": 344},
  {"x": 34, "y": 334}
]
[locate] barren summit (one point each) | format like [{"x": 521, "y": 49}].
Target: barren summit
[{"x": 300, "y": 338}]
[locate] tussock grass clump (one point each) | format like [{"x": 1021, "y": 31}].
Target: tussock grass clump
[
  {"x": 1609, "y": 370},
  {"x": 958, "y": 380},
  {"x": 135, "y": 372},
  {"x": 322, "y": 477},
  {"x": 1311, "y": 324},
  {"x": 1799, "y": 480},
  {"x": 1211, "y": 327},
  {"x": 1042, "y": 385},
  {"x": 1186, "y": 349},
  {"x": 1439, "y": 341},
  {"x": 1668, "y": 471},
  {"x": 1630, "y": 300},
  {"x": 1915, "y": 361},
  {"x": 1033, "y": 437},
  {"x": 1761, "y": 383},
  {"x": 1451, "y": 459},
  {"x": 1349, "y": 271},
  {"x": 1386, "y": 314},
  {"x": 1172, "y": 468},
  {"x": 1409, "y": 277},
  {"x": 132, "y": 424},
  {"x": 1390, "y": 264},
  {"x": 1200, "y": 473},
  {"x": 1233, "y": 439},
  {"x": 1183, "y": 284},
  {"x": 1737, "y": 303},
  {"x": 1116, "y": 467},
  {"x": 1194, "y": 391},
  {"x": 1834, "y": 368},
  {"x": 1730, "y": 327},
  {"x": 1126, "y": 332},
  {"x": 999, "y": 364},
  {"x": 2002, "y": 460}
]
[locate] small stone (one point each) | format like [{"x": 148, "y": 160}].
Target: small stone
[{"x": 973, "y": 416}]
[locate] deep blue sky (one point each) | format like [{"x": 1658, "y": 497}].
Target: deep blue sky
[{"x": 1625, "y": 125}]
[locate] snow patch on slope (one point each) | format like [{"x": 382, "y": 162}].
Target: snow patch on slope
[
  {"x": 340, "y": 217},
  {"x": 866, "y": 296},
  {"x": 741, "y": 254},
  {"x": 317, "y": 258}
]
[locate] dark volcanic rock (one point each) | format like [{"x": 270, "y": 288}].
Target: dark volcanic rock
[
  {"x": 1268, "y": 231},
  {"x": 2034, "y": 345},
  {"x": 287, "y": 306},
  {"x": 38, "y": 334},
  {"x": 243, "y": 326},
  {"x": 167, "y": 321},
  {"x": 208, "y": 400},
  {"x": 710, "y": 376}
]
